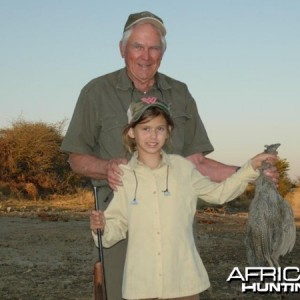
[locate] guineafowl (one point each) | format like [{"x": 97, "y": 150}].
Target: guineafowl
[{"x": 270, "y": 229}]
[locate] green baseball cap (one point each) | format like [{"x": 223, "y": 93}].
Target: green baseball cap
[
  {"x": 146, "y": 17},
  {"x": 136, "y": 109}
]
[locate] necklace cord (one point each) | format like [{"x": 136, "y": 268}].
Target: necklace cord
[{"x": 136, "y": 185}]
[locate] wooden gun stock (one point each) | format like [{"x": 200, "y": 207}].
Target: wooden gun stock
[
  {"x": 99, "y": 273},
  {"x": 99, "y": 286}
]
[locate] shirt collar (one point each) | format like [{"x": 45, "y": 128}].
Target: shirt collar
[
  {"x": 124, "y": 82},
  {"x": 134, "y": 162}
]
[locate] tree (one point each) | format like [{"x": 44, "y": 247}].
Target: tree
[
  {"x": 285, "y": 184},
  {"x": 31, "y": 161}
]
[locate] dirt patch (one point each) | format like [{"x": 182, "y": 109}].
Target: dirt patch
[{"x": 50, "y": 255}]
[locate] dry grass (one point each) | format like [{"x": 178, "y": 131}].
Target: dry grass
[
  {"x": 294, "y": 198},
  {"x": 83, "y": 201}
]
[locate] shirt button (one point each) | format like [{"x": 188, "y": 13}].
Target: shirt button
[
  {"x": 158, "y": 253},
  {"x": 154, "y": 192}
]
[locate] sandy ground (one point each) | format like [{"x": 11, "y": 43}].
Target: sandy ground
[{"x": 51, "y": 256}]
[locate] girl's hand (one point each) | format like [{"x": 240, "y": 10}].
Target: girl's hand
[
  {"x": 97, "y": 221},
  {"x": 257, "y": 160}
]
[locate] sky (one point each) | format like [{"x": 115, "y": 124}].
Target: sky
[{"x": 239, "y": 58}]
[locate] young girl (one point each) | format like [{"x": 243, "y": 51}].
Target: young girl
[{"x": 156, "y": 206}]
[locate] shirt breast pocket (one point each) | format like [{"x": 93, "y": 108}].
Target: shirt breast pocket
[
  {"x": 179, "y": 133},
  {"x": 111, "y": 134}
]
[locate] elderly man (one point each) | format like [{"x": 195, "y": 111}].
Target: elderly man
[{"x": 94, "y": 135}]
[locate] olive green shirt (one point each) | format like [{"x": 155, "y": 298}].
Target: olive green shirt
[{"x": 100, "y": 116}]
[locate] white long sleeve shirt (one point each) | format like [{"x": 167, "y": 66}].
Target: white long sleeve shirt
[{"x": 162, "y": 260}]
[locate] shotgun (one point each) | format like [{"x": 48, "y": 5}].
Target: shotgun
[{"x": 99, "y": 275}]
